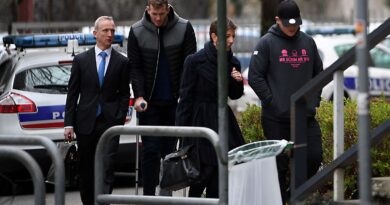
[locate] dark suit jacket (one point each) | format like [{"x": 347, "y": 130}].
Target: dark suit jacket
[{"x": 85, "y": 93}]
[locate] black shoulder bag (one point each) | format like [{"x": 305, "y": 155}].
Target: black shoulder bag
[
  {"x": 180, "y": 169},
  {"x": 68, "y": 151}
]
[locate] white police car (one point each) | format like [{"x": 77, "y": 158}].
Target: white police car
[
  {"x": 33, "y": 88},
  {"x": 333, "y": 47}
]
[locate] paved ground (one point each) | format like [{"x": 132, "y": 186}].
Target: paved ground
[{"x": 71, "y": 197}]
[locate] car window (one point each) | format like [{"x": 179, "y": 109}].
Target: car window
[
  {"x": 380, "y": 58},
  {"x": 5, "y": 74},
  {"x": 50, "y": 79},
  {"x": 386, "y": 42},
  {"x": 341, "y": 49}
]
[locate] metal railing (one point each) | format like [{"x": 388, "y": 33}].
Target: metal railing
[
  {"x": 165, "y": 131},
  {"x": 347, "y": 158},
  {"x": 298, "y": 119},
  {"x": 53, "y": 152},
  {"x": 32, "y": 167}
]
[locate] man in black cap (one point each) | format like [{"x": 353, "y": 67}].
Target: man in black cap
[{"x": 284, "y": 60}]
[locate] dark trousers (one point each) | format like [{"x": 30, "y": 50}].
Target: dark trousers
[
  {"x": 276, "y": 130},
  {"x": 86, "y": 148},
  {"x": 155, "y": 148},
  {"x": 208, "y": 181}
]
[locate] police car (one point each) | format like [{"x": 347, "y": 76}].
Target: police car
[
  {"x": 33, "y": 86},
  {"x": 333, "y": 47}
]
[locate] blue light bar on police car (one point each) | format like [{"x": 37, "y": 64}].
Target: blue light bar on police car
[
  {"x": 54, "y": 40},
  {"x": 8, "y": 40}
]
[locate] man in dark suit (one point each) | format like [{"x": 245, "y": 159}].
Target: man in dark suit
[{"x": 97, "y": 99}]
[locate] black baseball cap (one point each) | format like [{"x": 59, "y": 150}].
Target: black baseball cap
[{"x": 289, "y": 13}]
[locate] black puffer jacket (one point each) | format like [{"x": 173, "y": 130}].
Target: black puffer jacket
[{"x": 143, "y": 51}]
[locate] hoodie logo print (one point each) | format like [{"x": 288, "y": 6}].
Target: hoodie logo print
[{"x": 294, "y": 57}]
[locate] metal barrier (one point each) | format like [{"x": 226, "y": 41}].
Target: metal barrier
[
  {"x": 347, "y": 158},
  {"x": 59, "y": 171},
  {"x": 32, "y": 167},
  {"x": 171, "y": 131},
  {"x": 299, "y": 186}
]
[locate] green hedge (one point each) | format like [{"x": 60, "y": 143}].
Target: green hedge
[{"x": 379, "y": 112}]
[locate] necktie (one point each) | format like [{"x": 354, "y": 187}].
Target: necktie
[{"x": 102, "y": 66}]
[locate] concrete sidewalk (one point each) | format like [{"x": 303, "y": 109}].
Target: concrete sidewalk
[{"x": 71, "y": 197}]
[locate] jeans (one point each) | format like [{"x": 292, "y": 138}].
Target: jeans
[
  {"x": 155, "y": 148},
  {"x": 276, "y": 130}
]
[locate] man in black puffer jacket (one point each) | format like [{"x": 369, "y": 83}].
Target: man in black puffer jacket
[{"x": 157, "y": 47}]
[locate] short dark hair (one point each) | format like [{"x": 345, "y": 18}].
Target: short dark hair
[
  {"x": 158, "y": 3},
  {"x": 213, "y": 26}
]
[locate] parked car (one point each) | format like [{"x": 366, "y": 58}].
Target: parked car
[
  {"x": 386, "y": 42},
  {"x": 33, "y": 87},
  {"x": 333, "y": 47}
]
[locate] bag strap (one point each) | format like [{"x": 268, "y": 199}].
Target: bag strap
[
  {"x": 183, "y": 151},
  {"x": 181, "y": 142},
  {"x": 70, "y": 142}
]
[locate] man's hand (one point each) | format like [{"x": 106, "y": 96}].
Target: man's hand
[
  {"x": 140, "y": 104},
  {"x": 69, "y": 134}
]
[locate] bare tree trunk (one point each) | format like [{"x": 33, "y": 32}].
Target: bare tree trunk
[
  {"x": 268, "y": 13},
  {"x": 104, "y": 7},
  {"x": 14, "y": 15},
  {"x": 70, "y": 16},
  {"x": 49, "y": 10},
  {"x": 387, "y": 3}
]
